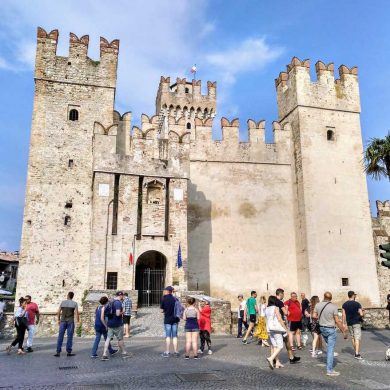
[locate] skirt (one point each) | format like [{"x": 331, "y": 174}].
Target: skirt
[{"x": 261, "y": 329}]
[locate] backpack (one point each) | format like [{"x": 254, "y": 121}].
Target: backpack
[
  {"x": 179, "y": 309},
  {"x": 110, "y": 310}
]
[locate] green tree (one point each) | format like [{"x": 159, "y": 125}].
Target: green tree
[{"x": 377, "y": 157}]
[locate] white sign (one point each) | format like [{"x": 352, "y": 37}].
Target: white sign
[
  {"x": 104, "y": 189},
  {"x": 178, "y": 194}
]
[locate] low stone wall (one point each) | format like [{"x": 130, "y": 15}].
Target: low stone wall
[
  {"x": 47, "y": 326},
  {"x": 90, "y": 304},
  {"x": 376, "y": 318}
]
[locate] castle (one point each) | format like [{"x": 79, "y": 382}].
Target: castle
[{"x": 110, "y": 207}]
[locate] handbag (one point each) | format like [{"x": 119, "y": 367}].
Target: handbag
[
  {"x": 21, "y": 322},
  {"x": 274, "y": 325}
]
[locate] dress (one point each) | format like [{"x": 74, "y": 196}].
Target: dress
[{"x": 261, "y": 327}]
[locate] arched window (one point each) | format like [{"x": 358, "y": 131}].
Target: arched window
[
  {"x": 154, "y": 193},
  {"x": 330, "y": 135},
  {"x": 188, "y": 126},
  {"x": 187, "y": 90},
  {"x": 73, "y": 115}
]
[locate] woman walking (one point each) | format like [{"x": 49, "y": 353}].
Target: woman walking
[
  {"x": 205, "y": 326},
  {"x": 261, "y": 327},
  {"x": 100, "y": 329},
  {"x": 276, "y": 329},
  {"x": 191, "y": 316},
  {"x": 314, "y": 327},
  {"x": 21, "y": 324}
]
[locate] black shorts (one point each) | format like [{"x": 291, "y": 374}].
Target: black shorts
[
  {"x": 252, "y": 318},
  {"x": 295, "y": 325},
  {"x": 126, "y": 319}
]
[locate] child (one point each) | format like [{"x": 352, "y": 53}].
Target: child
[
  {"x": 261, "y": 327},
  {"x": 205, "y": 326},
  {"x": 191, "y": 317}
]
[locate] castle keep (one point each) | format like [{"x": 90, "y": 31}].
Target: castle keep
[{"x": 246, "y": 215}]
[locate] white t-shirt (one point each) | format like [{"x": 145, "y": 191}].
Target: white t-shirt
[
  {"x": 241, "y": 307},
  {"x": 262, "y": 306}
]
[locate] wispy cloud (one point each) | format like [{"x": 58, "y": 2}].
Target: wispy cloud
[{"x": 248, "y": 55}]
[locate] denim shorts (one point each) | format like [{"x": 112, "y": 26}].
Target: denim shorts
[{"x": 170, "y": 330}]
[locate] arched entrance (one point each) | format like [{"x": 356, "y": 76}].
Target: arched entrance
[{"x": 150, "y": 277}]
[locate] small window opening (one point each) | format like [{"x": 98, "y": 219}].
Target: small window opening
[
  {"x": 188, "y": 126},
  {"x": 330, "y": 135},
  {"x": 112, "y": 280},
  {"x": 63, "y": 282},
  {"x": 70, "y": 164},
  {"x": 187, "y": 90},
  {"x": 67, "y": 220},
  {"x": 73, "y": 115},
  {"x": 69, "y": 63},
  {"x": 69, "y": 204},
  {"x": 344, "y": 282}
]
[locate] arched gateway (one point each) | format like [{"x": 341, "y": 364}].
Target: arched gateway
[{"x": 150, "y": 277}]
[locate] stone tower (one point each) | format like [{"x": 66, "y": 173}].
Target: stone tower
[
  {"x": 71, "y": 93},
  {"x": 185, "y": 99},
  {"x": 332, "y": 217}
]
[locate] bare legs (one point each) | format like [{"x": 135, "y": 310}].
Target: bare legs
[{"x": 191, "y": 343}]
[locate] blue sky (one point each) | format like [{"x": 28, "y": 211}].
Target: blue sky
[{"x": 242, "y": 45}]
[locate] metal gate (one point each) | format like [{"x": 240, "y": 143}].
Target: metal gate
[{"x": 151, "y": 286}]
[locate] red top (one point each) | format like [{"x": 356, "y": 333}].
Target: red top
[
  {"x": 32, "y": 311},
  {"x": 294, "y": 310},
  {"x": 205, "y": 318}
]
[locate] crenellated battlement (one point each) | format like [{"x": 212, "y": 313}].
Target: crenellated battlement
[
  {"x": 295, "y": 87},
  {"x": 77, "y": 67},
  {"x": 383, "y": 208},
  {"x": 186, "y": 98},
  {"x": 230, "y": 148}
]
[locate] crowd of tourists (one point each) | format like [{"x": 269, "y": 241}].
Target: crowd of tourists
[
  {"x": 286, "y": 324},
  {"x": 275, "y": 323}
]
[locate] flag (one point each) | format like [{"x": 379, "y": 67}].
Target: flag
[
  {"x": 131, "y": 256},
  {"x": 193, "y": 69},
  {"x": 179, "y": 262}
]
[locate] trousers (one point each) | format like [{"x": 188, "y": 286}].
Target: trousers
[
  {"x": 20, "y": 332},
  {"x": 68, "y": 327},
  {"x": 204, "y": 338},
  {"x": 330, "y": 337}
]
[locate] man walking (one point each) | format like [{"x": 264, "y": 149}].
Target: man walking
[
  {"x": 66, "y": 316},
  {"x": 251, "y": 310},
  {"x": 127, "y": 307},
  {"x": 327, "y": 315},
  {"x": 240, "y": 316},
  {"x": 305, "y": 304},
  {"x": 114, "y": 312},
  {"x": 32, "y": 320},
  {"x": 352, "y": 317},
  {"x": 171, "y": 321},
  {"x": 294, "y": 318},
  {"x": 283, "y": 312}
]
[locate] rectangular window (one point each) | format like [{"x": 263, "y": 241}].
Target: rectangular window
[
  {"x": 344, "y": 282},
  {"x": 70, "y": 164},
  {"x": 112, "y": 280},
  {"x": 115, "y": 206}
]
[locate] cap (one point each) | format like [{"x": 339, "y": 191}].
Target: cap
[
  {"x": 169, "y": 288},
  {"x": 119, "y": 293}
]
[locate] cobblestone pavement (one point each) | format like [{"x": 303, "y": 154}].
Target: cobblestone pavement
[{"x": 232, "y": 366}]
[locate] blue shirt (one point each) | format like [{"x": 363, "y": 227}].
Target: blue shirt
[
  {"x": 115, "y": 321},
  {"x": 99, "y": 326}
]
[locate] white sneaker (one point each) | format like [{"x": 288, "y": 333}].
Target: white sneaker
[
  {"x": 210, "y": 352},
  {"x": 335, "y": 354},
  {"x": 333, "y": 373},
  {"x": 319, "y": 352},
  {"x": 200, "y": 351}
]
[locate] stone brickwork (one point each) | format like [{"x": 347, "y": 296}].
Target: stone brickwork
[{"x": 106, "y": 201}]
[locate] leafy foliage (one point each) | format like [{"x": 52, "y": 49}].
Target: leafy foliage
[{"x": 377, "y": 157}]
